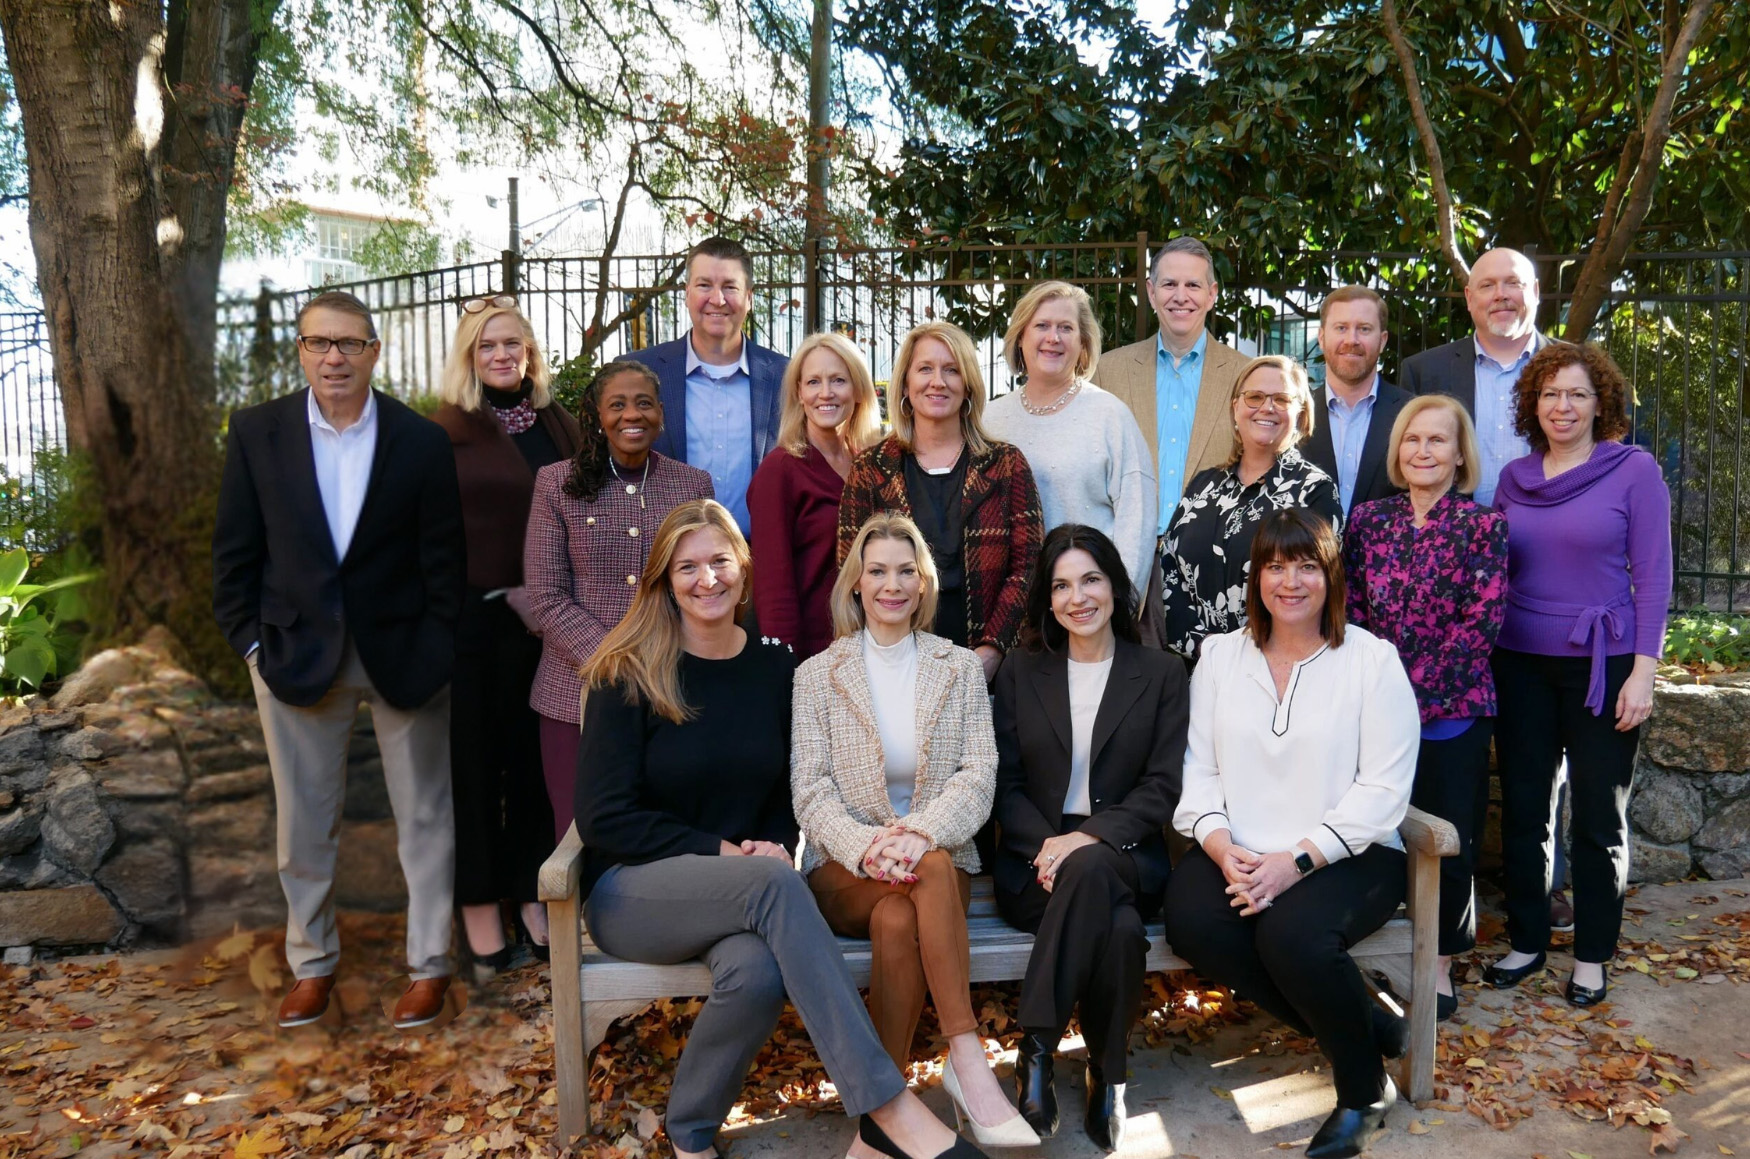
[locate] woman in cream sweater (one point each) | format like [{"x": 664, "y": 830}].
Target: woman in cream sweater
[{"x": 892, "y": 772}]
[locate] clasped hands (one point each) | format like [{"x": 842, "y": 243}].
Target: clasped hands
[
  {"x": 1254, "y": 880},
  {"x": 893, "y": 854},
  {"x": 755, "y": 849},
  {"x": 1054, "y": 851}
]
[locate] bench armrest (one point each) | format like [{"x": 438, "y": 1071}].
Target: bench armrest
[
  {"x": 1422, "y": 833},
  {"x": 562, "y": 872}
]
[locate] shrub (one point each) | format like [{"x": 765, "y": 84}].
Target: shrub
[
  {"x": 33, "y": 646},
  {"x": 1710, "y": 641}
]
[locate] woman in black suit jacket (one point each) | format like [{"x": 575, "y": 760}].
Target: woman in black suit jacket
[{"x": 1090, "y": 747}]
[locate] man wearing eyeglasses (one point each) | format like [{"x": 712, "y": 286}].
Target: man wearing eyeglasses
[
  {"x": 1481, "y": 371},
  {"x": 720, "y": 390},
  {"x": 337, "y": 575}
]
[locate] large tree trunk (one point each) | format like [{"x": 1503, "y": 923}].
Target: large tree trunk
[{"x": 130, "y": 126}]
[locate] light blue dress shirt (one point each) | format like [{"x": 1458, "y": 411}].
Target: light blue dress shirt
[
  {"x": 1176, "y": 386},
  {"x": 720, "y": 429},
  {"x": 1349, "y": 425},
  {"x": 1496, "y": 439}
]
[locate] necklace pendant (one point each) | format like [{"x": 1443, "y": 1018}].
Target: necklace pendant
[{"x": 631, "y": 490}]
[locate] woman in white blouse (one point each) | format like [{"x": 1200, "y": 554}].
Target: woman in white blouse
[
  {"x": 892, "y": 768},
  {"x": 1298, "y": 769}
]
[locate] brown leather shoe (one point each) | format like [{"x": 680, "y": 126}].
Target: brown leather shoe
[
  {"x": 305, "y": 1002},
  {"x": 423, "y": 1002}
]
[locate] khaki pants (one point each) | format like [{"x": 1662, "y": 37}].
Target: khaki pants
[
  {"x": 920, "y": 944},
  {"x": 306, "y": 748}
]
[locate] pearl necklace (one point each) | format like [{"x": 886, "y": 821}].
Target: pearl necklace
[{"x": 1051, "y": 408}]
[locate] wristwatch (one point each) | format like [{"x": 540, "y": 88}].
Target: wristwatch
[{"x": 1303, "y": 861}]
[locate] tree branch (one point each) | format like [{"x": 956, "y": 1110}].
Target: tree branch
[{"x": 1430, "y": 143}]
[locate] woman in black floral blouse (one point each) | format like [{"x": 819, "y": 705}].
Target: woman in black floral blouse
[{"x": 1208, "y": 544}]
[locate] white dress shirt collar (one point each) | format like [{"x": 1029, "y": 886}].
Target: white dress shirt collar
[{"x": 694, "y": 362}]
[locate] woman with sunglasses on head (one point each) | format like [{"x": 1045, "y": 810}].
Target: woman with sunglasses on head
[
  {"x": 684, "y": 808},
  {"x": 1206, "y": 551},
  {"x": 589, "y": 534},
  {"x": 504, "y": 427},
  {"x": 1090, "y": 745}
]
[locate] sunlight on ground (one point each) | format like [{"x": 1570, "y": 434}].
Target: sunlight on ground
[
  {"x": 1306, "y": 1097},
  {"x": 1730, "y": 1114},
  {"x": 1145, "y": 1135}
]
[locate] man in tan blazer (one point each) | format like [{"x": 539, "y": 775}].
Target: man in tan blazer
[{"x": 1178, "y": 384}]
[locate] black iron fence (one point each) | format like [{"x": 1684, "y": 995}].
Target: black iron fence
[{"x": 1679, "y": 324}]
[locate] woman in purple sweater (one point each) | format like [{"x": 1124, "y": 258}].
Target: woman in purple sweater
[{"x": 1588, "y": 582}]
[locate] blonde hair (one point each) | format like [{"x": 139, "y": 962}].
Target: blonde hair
[
  {"x": 460, "y": 384},
  {"x": 643, "y": 652},
  {"x": 978, "y": 440},
  {"x": 1470, "y": 471},
  {"x": 1294, "y": 375},
  {"x": 848, "y": 616},
  {"x": 1089, "y": 355},
  {"x": 861, "y": 428}
]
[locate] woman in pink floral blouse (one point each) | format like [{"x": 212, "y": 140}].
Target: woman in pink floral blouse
[{"x": 1428, "y": 571}]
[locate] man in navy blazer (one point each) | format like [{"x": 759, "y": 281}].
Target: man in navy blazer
[
  {"x": 1354, "y": 410},
  {"x": 1482, "y": 371},
  {"x": 338, "y": 577},
  {"x": 721, "y": 394}
]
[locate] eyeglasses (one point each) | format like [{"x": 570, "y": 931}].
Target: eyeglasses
[
  {"x": 499, "y": 301},
  {"x": 1570, "y": 396},
  {"x": 1255, "y": 400},
  {"x": 316, "y": 344}
]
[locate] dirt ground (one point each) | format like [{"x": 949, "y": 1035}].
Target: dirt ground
[{"x": 175, "y": 1053}]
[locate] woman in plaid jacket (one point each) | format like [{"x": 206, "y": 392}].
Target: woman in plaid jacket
[{"x": 972, "y": 497}]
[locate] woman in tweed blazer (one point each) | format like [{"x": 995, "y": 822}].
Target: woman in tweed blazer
[
  {"x": 590, "y": 527},
  {"x": 892, "y": 772},
  {"x": 972, "y": 496}
]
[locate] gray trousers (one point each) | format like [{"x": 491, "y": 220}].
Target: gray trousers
[
  {"x": 754, "y": 922},
  {"x": 306, "y": 748}
]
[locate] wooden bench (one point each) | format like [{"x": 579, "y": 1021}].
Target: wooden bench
[{"x": 591, "y": 989}]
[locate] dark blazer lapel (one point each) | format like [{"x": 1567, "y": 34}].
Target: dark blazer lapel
[
  {"x": 668, "y": 362},
  {"x": 1385, "y": 412},
  {"x": 389, "y": 420},
  {"x": 1319, "y": 448},
  {"x": 291, "y": 444},
  {"x": 1464, "y": 373},
  {"x": 764, "y": 377},
  {"x": 1124, "y": 685},
  {"x": 1051, "y": 685}
]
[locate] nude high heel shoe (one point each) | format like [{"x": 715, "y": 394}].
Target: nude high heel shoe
[{"x": 1011, "y": 1132}]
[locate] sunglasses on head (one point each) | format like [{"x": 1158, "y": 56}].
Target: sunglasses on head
[{"x": 501, "y": 301}]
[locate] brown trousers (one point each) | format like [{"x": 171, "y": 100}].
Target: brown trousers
[{"x": 920, "y": 944}]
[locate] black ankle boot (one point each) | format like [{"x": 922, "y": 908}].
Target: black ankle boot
[
  {"x": 1348, "y": 1129},
  {"x": 1035, "y": 1096},
  {"x": 1104, "y": 1120}
]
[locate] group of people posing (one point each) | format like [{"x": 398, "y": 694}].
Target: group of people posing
[{"x": 791, "y": 676}]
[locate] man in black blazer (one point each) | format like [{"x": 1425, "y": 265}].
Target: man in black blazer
[
  {"x": 1354, "y": 410},
  {"x": 722, "y": 393},
  {"x": 338, "y": 576},
  {"x": 1481, "y": 371}
]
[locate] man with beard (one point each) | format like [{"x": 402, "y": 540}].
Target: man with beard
[
  {"x": 1481, "y": 371},
  {"x": 1353, "y": 412}
]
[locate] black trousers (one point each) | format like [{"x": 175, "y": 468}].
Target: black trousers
[
  {"x": 1452, "y": 782},
  {"x": 1543, "y": 715},
  {"x": 1089, "y": 948},
  {"x": 504, "y": 822},
  {"x": 1293, "y": 959}
]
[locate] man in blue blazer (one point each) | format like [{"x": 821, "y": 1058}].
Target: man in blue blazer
[
  {"x": 1353, "y": 411},
  {"x": 721, "y": 394}
]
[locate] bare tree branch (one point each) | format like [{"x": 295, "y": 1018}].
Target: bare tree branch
[{"x": 1430, "y": 142}]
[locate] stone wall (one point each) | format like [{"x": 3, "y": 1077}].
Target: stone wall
[
  {"x": 1691, "y": 807},
  {"x": 134, "y": 806}
]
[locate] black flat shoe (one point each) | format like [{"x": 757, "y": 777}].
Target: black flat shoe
[
  {"x": 1585, "y": 995},
  {"x": 1391, "y": 1033},
  {"x": 1035, "y": 1094},
  {"x": 1506, "y": 978},
  {"x": 1104, "y": 1120},
  {"x": 1445, "y": 1006},
  {"x": 874, "y": 1136},
  {"x": 1348, "y": 1129}
]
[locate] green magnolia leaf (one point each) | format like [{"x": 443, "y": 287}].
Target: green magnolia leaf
[
  {"x": 13, "y": 565},
  {"x": 28, "y": 662}
]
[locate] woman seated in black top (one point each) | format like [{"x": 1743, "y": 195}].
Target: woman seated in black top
[
  {"x": 1090, "y": 746},
  {"x": 683, "y": 804}
]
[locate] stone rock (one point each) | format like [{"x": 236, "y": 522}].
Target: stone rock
[
  {"x": 1727, "y": 865},
  {"x": 230, "y": 786},
  {"x": 142, "y": 775},
  {"x": 228, "y": 889},
  {"x": 231, "y": 826},
  {"x": 87, "y": 744},
  {"x": 1699, "y": 727},
  {"x": 32, "y": 871},
  {"x": 29, "y": 778},
  {"x": 1657, "y": 863},
  {"x": 12, "y": 715},
  {"x": 137, "y": 730},
  {"x": 77, "y": 831},
  {"x": 98, "y": 677},
  {"x": 367, "y": 794},
  {"x": 19, "y": 829},
  {"x": 1728, "y": 828},
  {"x": 368, "y": 873},
  {"x": 145, "y": 820},
  {"x": 19, "y": 955},
  {"x": 146, "y": 881},
  {"x": 1667, "y": 808},
  {"x": 75, "y": 916},
  {"x": 7, "y": 798},
  {"x": 55, "y": 721},
  {"x": 20, "y": 749},
  {"x": 1727, "y": 786}
]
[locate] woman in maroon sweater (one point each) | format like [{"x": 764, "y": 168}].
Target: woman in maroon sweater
[
  {"x": 504, "y": 427},
  {"x": 830, "y": 414}
]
